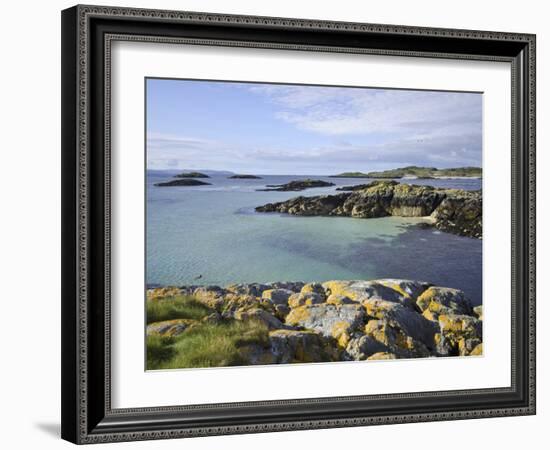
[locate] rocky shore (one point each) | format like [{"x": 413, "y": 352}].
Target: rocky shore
[
  {"x": 298, "y": 322},
  {"x": 451, "y": 210}
]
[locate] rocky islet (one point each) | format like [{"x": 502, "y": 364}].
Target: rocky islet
[{"x": 451, "y": 210}]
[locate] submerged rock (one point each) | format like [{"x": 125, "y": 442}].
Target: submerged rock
[{"x": 450, "y": 210}]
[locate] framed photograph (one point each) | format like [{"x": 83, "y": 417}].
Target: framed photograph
[{"x": 278, "y": 224}]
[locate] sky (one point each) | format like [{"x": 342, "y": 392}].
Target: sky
[{"x": 299, "y": 129}]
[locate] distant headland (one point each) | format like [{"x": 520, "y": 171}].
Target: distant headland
[{"x": 417, "y": 172}]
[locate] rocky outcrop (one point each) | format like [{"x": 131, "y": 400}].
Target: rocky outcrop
[
  {"x": 451, "y": 210},
  {"x": 337, "y": 320},
  {"x": 244, "y": 177},
  {"x": 182, "y": 182},
  {"x": 298, "y": 185},
  {"x": 191, "y": 175},
  {"x": 355, "y": 187}
]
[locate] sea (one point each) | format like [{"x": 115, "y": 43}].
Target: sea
[{"x": 211, "y": 235}]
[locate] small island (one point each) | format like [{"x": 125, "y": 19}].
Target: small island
[
  {"x": 191, "y": 175},
  {"x": 244, "y": 177},
  {"x": 297, "y": 185},
  {"x": 184, "y": 182}
]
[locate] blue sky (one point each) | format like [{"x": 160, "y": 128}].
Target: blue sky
[{"x": 296, "y": 129}]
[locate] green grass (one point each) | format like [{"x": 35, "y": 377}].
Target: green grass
[
  {"x": 159, "y": 350},
  {"x": 179, "y": 307},
  {"x": 207, "y": 345}
]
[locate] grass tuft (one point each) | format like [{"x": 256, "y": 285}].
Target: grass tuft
[
  {"x": 209, "y": 345},
  {"x": 178, "y": 307}
]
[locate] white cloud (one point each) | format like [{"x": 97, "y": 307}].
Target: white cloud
[{"x": 358, "y": 111}]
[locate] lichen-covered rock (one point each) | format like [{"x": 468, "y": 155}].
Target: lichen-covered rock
[
  {"x": 256, "y": 354},
  {"x": 478, "y": 312},
  {"x": 440, "y": 300},
  {"x": 305, "y": 298},
  {"x": 277, "y": 296},
  {"x": 316, "y": 288},
  {"x": 253, "y": 289},
  {"x": 444, "y": 346},
  {"x": 457, "y": 327},
  {"x": 392, "y": 290},
  {"x": 334, "y": 321},
  {"x": 407, "y": 288},
  {"x": 164, "y": 292},
  {"x": 291, "y": 346},
  {"x": 382, "y": 355},
  {"x": 281, "y": 311},
  {"x": 477, "y": 351},
  {"x": 211, "y": 296},
  {"x": 169, "y": 328},
  {"x": 293, "y": 286},
  {"x": 466, "y": 346},
  {"x": 410, "y": 322},
  {"x": 260, "y": 315},
  {"x": 362, "y": 347},
  {"x": 335, "y": 299},
  {"x": 460, "y": 213},
  {"x": 393, "y": 339}
]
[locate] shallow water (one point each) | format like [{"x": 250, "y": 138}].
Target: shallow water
[{"x": 213, "y": 232}]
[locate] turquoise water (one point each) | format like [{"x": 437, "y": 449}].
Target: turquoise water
[{"x": 213, "y": 232}]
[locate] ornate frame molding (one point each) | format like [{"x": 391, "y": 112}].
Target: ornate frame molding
[{"x": 80, "y": 418}]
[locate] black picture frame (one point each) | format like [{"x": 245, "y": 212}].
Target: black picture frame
[{"x": 87, "y": 416}]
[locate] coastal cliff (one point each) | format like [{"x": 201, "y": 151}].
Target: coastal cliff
[
  {"x": 451, "y": 210},
  {"x": 296, "y": 322}
]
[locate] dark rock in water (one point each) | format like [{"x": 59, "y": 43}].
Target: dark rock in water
[
  {"x": 297, "y": 185},
  {"x": 360, "y": 187},
  {"x": 452, "y": 210},
  {"x": 244, "y": 177},
  {"x": 182, "y": 182},
  {"x": 191, "y": 175}
]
